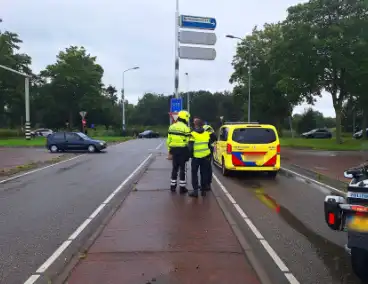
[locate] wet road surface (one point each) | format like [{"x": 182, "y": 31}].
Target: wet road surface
[
  {"x": 165, "y": 238},
  {"x": 39, "y": 211},
  {"x": 289, "y": 214}
]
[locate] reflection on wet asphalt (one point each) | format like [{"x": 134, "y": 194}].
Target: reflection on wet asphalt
[{"x": 292, "y": 221}]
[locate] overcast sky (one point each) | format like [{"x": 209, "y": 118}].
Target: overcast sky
[{"x": 127, "y": 33}]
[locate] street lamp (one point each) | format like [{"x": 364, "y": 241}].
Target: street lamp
[
  {"x": 249, "y": 72},
  {"x": 123, "y": 96},
  {"x": 26, "y": 98}
]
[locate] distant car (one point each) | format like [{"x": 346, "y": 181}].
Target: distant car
[
  {"x": 73, "y": 141},
  {"x": 359, "y": 134},
  {"x": 41, "y": 132},
  {"x": 148, "y": 134},
  {"x": 321, "y": 133}
]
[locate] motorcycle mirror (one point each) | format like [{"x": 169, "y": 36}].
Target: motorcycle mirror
[{"x": 348, "y": 175}]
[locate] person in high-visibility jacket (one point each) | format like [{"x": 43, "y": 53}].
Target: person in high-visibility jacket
[
  {"x": 177, "y": 143},
  {"x": 209, "y": 129},
  {"x": 199, "y": 146}
]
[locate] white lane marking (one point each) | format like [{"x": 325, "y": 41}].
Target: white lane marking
[
  {"x": 254, "y": 229},
  {"x": 80, "y": 229},
  {"x": 280, "y": 264},
  {"x": 53, "y": 257},
  {"x": 52, "y": 165},
  {"x": 98, "y": 210},
  {"x": 159, "y": 145},
  {"x": 32, "y": 279},
  {"x": 291, "y": 278},
  {"x": 274, "y": 256},
  {"x": 240, "y": 211},
  {"x": 315, "y": 181},
  {"x": 40, "y": 169}
]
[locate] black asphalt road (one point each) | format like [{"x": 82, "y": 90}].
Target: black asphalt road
[
  {"x": 39, "y": 211},
  {"x": 298, "y": 233}
]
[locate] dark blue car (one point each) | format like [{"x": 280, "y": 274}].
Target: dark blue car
[{"x": 73, "y": 141}]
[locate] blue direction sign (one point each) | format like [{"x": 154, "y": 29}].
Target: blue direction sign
[
  {"x": 194, "y": 22},
  {"x": 176, "y": 105}
]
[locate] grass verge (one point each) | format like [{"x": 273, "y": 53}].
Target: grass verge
[
  {"x": 325, "y": 144},
  {"x": 41, "y": 141}
]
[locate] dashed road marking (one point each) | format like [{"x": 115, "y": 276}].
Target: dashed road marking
[{"x": 280, "y": 264}]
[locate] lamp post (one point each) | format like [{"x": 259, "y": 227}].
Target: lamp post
[
  {"x": 249, "y": 72},
  {"x": 26, "y": 98},
  {"x": 188, "y": 94},
  {"x": 123, "y": 96}
]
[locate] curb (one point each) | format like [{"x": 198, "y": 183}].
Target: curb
[{"x": 250, "y": 256}]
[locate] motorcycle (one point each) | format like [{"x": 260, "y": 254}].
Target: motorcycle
[{"x": 350, "y": 214}]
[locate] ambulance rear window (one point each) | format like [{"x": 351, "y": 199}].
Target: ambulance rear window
[{"x": 254, "y": 135}]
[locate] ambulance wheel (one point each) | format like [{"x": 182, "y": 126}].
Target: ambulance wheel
[{"x": 225, "y": 172}]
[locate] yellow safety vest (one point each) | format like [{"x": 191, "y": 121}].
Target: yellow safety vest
[
  {"x": 208, "y": 128},
  {"x": 178, "y": 135},
  {"x": 200, "y": 147}
]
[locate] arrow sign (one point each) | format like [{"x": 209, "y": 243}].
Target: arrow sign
[{"x": 194, "y": 22}]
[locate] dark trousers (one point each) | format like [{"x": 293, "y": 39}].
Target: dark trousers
[
  {"x": 203, "y": 165},
  {"x": 179, "y": 159}
]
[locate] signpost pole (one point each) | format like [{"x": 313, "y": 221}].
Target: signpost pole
[{"x": 177, "y": 50}]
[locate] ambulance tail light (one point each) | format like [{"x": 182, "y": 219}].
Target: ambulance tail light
[
  {"x": 278, "y": 149},
  {"x": 229, "y": 148}
]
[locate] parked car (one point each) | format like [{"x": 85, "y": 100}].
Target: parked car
[
  {"x": 41, "y": 132},
  {"x": 148, "y": 134},
  {"x": 73, "y": 141},
  {"x": 359, "y": 134},
  {"x": 321, "y": 133}
]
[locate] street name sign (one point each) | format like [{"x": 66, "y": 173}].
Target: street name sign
[
  {"x": 194, "y": 22},
  {"x": 191, "y": 37},
  {"x": 197, "y": 53},
  {"x": 176, "y": 104}
]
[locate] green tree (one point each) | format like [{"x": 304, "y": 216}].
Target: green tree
[
  {"x": 11, "y": 84},
  {"x": 271, "y": 101},
  {"x": 75, "y": 84},
  {"x": 320, "y": 38}
]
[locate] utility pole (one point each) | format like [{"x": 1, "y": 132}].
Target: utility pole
[
  {"x": 123, "y": 97},
  {"x": 249, "y": 73}
]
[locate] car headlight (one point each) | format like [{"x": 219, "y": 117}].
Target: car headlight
[{"x": 102, "y": 143}]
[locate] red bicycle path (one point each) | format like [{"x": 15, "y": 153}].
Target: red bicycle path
[{"x": 161, "y": 237}]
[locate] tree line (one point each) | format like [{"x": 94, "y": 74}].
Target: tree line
[{"x": 321, "y": 46}]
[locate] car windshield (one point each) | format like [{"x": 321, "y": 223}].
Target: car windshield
[
  {"x": 146, "y": 131},
  {"x": 254, "y": 135},
  {"x": 84, "y": 136}
]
